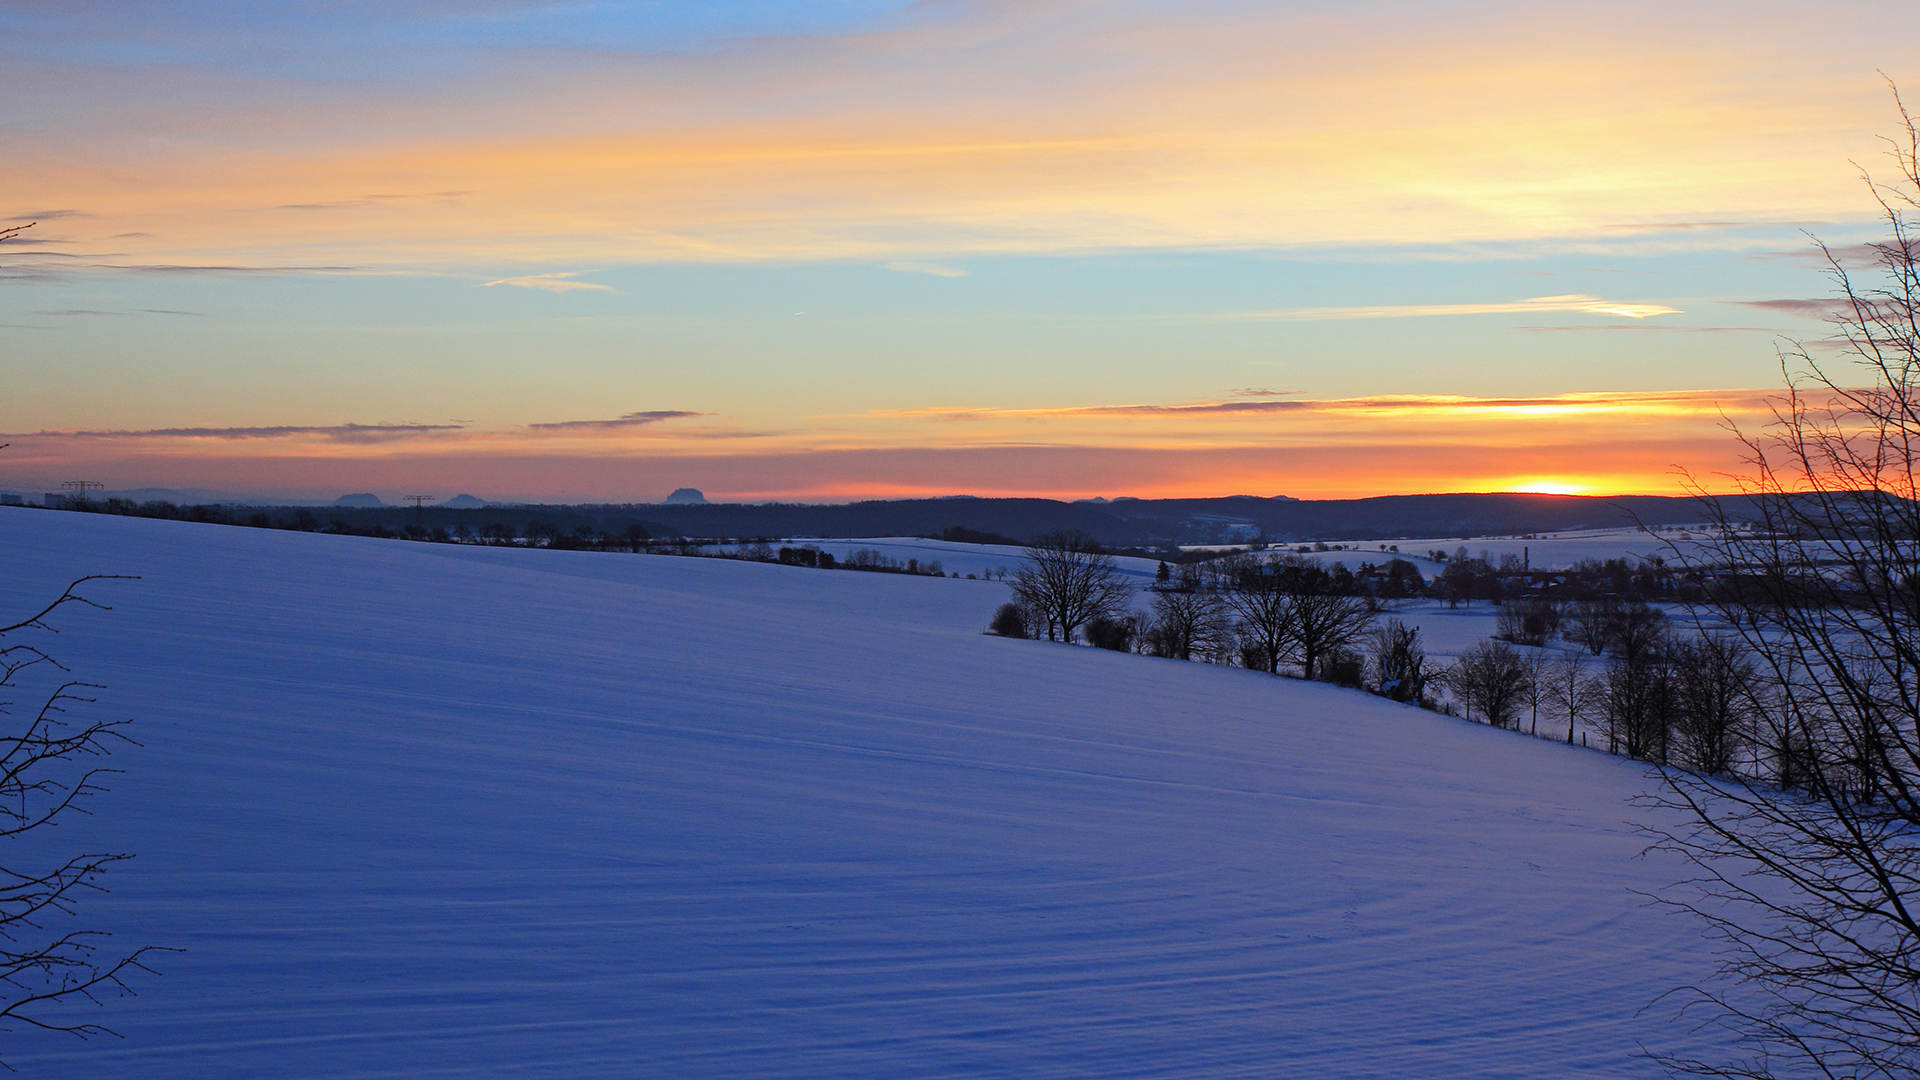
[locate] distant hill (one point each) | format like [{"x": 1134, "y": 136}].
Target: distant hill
[
  {"x": 1135, "y": 523},
  {"x": 1147, "y": 522}
]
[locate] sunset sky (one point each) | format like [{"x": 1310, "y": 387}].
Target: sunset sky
[{"x": 832, "y": 249}]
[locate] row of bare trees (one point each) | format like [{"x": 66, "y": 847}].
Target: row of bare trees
[
  {"x": 1692, "y": 699},
  {"x": 1263, "y": 609}
]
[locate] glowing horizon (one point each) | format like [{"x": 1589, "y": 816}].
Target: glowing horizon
[{"x": 1341, "y": 448}]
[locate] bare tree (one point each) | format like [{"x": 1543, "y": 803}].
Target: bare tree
[
  {"x": 1327, "y": 615},
  {"x": 1570, "y": 689},
  {"x": 1809, "y": 871},
  {"x": 1490, "y": 676},
  {"x": 1069, "y": 581},
  {"x": 49, "y": 769},
  {"x": 1291, "y": 610},
  {"x": 1713, "y": 685},
  {"x": 1539, "y": 688},
  {"x": 1591, "y": 624},
  {"x": 1186, "y": 615},
  {"x": 1253, "y": 589},
  {"x": 1637, "y": 703}
]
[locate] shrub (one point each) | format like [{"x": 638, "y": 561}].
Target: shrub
[
  {"x": 1342, "y": 667},
  {"x": 1399, "y": 663},
  {"x": 1008, "y": 621},
  {"x": 1528, "y": 622},
  {"x": 1109, "y": 633}
]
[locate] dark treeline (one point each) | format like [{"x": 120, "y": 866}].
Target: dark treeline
[
  {"x": 570, "y": 526},
  {"x": 1143, "y": 524},
  {"x": 1463, "y": 578},
  {"x": 528, "y": 528},
  {"x": 1153, "y": 524}
]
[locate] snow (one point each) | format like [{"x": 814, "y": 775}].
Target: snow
[
  {"x": 420, "y": 810},
  {"x": 962, "y": 559},
  {"x": 1544, "y": 551}
]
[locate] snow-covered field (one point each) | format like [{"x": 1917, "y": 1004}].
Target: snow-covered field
[
  {"x": 1545, "y": 551},
  {"x": 1550, "y": 551},
  {"x": 962, "y": 559},
  {"x": 421, "y": 810}
]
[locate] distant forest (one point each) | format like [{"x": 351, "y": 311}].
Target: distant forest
[{"x": 1145, "y": 524}]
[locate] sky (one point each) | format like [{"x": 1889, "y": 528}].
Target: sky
[{"x": 835, "y": 249}]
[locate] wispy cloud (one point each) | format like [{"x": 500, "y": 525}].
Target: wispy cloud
[
  {"x": 225, "y": 268},
  {"x": 1805, "y": 309},
  {"x": 559, "y": 282},
  {"x": 630, "y": 420},
  {"x": 1201, "y": 408},
  {"x": 47, "y": 215},
  {"x": 1692, "y": 226},
  {"x": 31, "y": 265},
  {"x": 122, "y": 314},
  {"x": 1259, "y": 392},
  {"x": 904, "y": 266},
  {"x": 1702, "y": 402},
  {"x": 1859, "y": 256},
  {"x": 342, "y": 204},
  {"x": 347, "y": 433},
  {"x": 1643, "y": 328},
  {"x": 1591, "y": 305}
]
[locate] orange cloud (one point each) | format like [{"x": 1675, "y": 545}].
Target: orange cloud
[
  {"x": 1589, "y": 305},
  {"x": 1591, "y": 443}
]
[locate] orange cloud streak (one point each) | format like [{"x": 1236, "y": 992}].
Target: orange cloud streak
[{"x": 1590, "y": 443}]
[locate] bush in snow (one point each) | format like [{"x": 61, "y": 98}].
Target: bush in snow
[
  {"x": 1398, "y": 662},
  {"x": 1008, "y": 621},
  {"x": 1110, "y": 633},
  {"x": 1343, "y": 667}
]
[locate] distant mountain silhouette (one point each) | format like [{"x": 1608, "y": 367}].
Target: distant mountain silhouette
[{"x": 362, "y": 499}]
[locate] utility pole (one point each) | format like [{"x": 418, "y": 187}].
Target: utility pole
[
  {"x": 79, "y": 488},
  {"x": 418, "y": 501}
]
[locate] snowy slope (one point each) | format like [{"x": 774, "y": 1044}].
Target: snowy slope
[{"x": 418, "y": 810}]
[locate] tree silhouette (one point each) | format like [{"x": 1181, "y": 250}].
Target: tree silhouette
[{"x": 50, "y": 766}]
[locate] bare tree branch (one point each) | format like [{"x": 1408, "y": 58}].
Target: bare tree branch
[
  {"x": 1807, "y": 852},
  {"x": 49, "y": 768}
]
